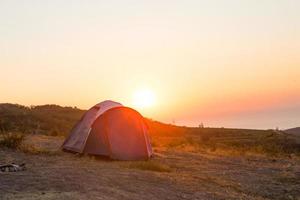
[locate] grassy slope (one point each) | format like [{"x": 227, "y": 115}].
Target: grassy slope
[
  {"x": 46, "y": 119},
  {"x": 233, "y": 140},
  {"x": 57, "y": 120}
]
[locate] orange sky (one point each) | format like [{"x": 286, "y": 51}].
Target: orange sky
[{"x": 225, "y": 63}]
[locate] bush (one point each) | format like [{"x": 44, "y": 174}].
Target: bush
[{"x": 11, "y": 140}]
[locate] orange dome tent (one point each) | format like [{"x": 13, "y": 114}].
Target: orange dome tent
[{"x": 113, "y": 130}]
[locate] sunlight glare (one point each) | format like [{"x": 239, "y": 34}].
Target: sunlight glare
[{"x": 144, "y": 98}]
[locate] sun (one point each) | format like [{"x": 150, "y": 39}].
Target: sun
[{"x": 144, "y": 98}]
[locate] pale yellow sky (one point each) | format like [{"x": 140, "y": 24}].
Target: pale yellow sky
[{"x": 225, "y": 63}]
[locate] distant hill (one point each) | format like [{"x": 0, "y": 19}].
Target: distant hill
[{"x": 294, "y": 131}]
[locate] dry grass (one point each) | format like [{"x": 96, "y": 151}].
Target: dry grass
[
  {"x": 269, "y": 145},
  {"x": 150, "y": 165},
  {"x": 288, "y": 180},
  {"x": 11, "y": 140},
  {"x": 31, "y": 149},
  {"x": 17, "y": 141},
  {"x": 192, "y": 175}
]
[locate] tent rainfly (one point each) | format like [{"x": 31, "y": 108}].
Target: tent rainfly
[{"x": 113, "y": 130}]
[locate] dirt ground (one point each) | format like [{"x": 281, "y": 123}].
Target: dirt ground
[{"x": 194, "y": 175}]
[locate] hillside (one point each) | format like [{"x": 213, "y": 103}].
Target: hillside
[
  {"x": 188, "y": 163},
  {"x": 294, "y": 131},
  {"x": 54, "y": 120},
  {"x": 45, "y": 119}
]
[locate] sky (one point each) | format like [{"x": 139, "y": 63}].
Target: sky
[{"x": 223, "y": 63}]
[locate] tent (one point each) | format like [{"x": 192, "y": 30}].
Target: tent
[{"x": 113, "y": 130}]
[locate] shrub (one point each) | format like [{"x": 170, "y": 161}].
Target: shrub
[{"x": 11, "y": 140}]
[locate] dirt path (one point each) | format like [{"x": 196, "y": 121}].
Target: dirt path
[{"x": 193, "y": 176}]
